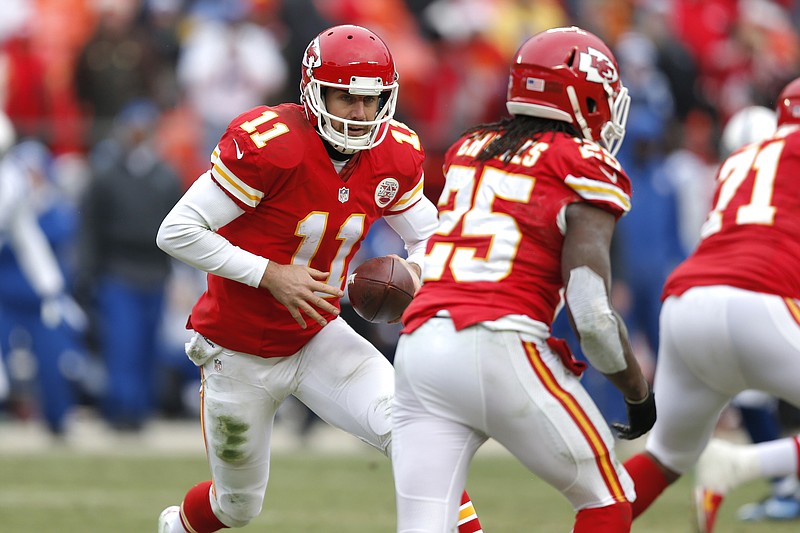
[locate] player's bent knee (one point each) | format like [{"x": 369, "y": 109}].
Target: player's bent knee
[{"x": 379, "y": 422}]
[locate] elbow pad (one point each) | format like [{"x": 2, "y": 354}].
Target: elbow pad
[{"x": 596, "y": 324}]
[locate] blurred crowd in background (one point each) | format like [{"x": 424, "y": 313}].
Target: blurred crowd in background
[{"x": 117, "y": 105}]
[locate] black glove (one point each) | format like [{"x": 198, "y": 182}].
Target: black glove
[{"x": 641, "y": 417}]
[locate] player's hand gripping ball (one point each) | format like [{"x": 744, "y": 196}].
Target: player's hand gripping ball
[{"x": 380, "y": 289}]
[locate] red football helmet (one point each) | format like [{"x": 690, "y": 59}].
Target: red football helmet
[
  {"x": 569, "y": 74},
  {"x": 356, "y": 60},
  {"x": 788, "y": 107}
]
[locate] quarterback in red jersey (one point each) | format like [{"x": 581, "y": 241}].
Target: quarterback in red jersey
[
  {"x": 731, "y": 314},
  {"x": 291, "y": 193},
  {"x": 526, "y": 217}
]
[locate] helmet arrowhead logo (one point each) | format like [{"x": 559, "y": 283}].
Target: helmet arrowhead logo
[
  {"x": 597, "y": 66},
  {"x": 312, "y": 59}
]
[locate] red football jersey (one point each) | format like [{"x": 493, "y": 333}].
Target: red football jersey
[
  {"x": 298, "y": 210},
  {"x": 751, "y": 238},
  {"x": 498, "y": 247}
]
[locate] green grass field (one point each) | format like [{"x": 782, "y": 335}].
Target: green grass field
[{"x": 72, "y": 492}]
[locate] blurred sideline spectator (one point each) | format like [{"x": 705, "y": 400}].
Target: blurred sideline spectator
[
  {"x": 178, "y": 380},
  {"x": 302, "y": 21},
  {"x": 41, "y": 326},
  {"x": 119, "y": 63},
  {"x": 57, "y": 30},
  {"x": 745, "y": 49},
  {"x": 123, "y": 275},
  {"x": 690, "y": 167},
  {"x": 25, "y": 95},
  {"x": 228, "y": 63}
]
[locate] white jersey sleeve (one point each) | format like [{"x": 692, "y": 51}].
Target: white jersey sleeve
[
  {"x": 415, "y": 225},
  {"x": 188, "y": 233}
]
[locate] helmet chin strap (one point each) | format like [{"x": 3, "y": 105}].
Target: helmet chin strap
[
  {"x": 333, "y": 152},
  {"x": 342, "y": 142}
]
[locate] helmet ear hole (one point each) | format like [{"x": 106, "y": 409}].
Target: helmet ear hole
[
  {"x": 591, "y": 105},
  {"x": 570, "y": 62}
]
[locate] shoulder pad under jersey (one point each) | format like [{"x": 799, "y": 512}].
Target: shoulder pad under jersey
[
  {"x": 273, "y": 136},
  {"x": 258, "y": 145},
  {"x": 401, "y": 151},
  {"x": 595, "y": 175}
]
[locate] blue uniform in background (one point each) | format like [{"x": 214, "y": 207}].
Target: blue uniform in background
[{"x": 58, "y": 353}]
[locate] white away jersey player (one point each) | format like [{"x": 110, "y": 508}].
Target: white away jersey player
[
  {"x": 497, "y": 251},
  {"x": 756, "y": 201},
  {"x": 298, "y": 210}
]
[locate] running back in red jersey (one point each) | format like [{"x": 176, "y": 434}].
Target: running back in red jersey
[{"x": 380, "y": 289}]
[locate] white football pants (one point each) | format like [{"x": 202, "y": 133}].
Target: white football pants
[
  {"x": 454, "y": 390},
  {"x": 339, "y": 375},
  {"x": 716, "y": 342}
]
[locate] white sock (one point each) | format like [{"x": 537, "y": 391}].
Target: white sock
[{"x": 777, "y": 458}]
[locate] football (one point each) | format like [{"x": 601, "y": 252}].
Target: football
[{"x": 380, "y": 289}]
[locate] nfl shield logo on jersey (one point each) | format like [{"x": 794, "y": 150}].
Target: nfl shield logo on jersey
[
  {"x": 218, "y": 366},
  {"x": 344, "y": 194},
  {"x": 386, "y": 191}
]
